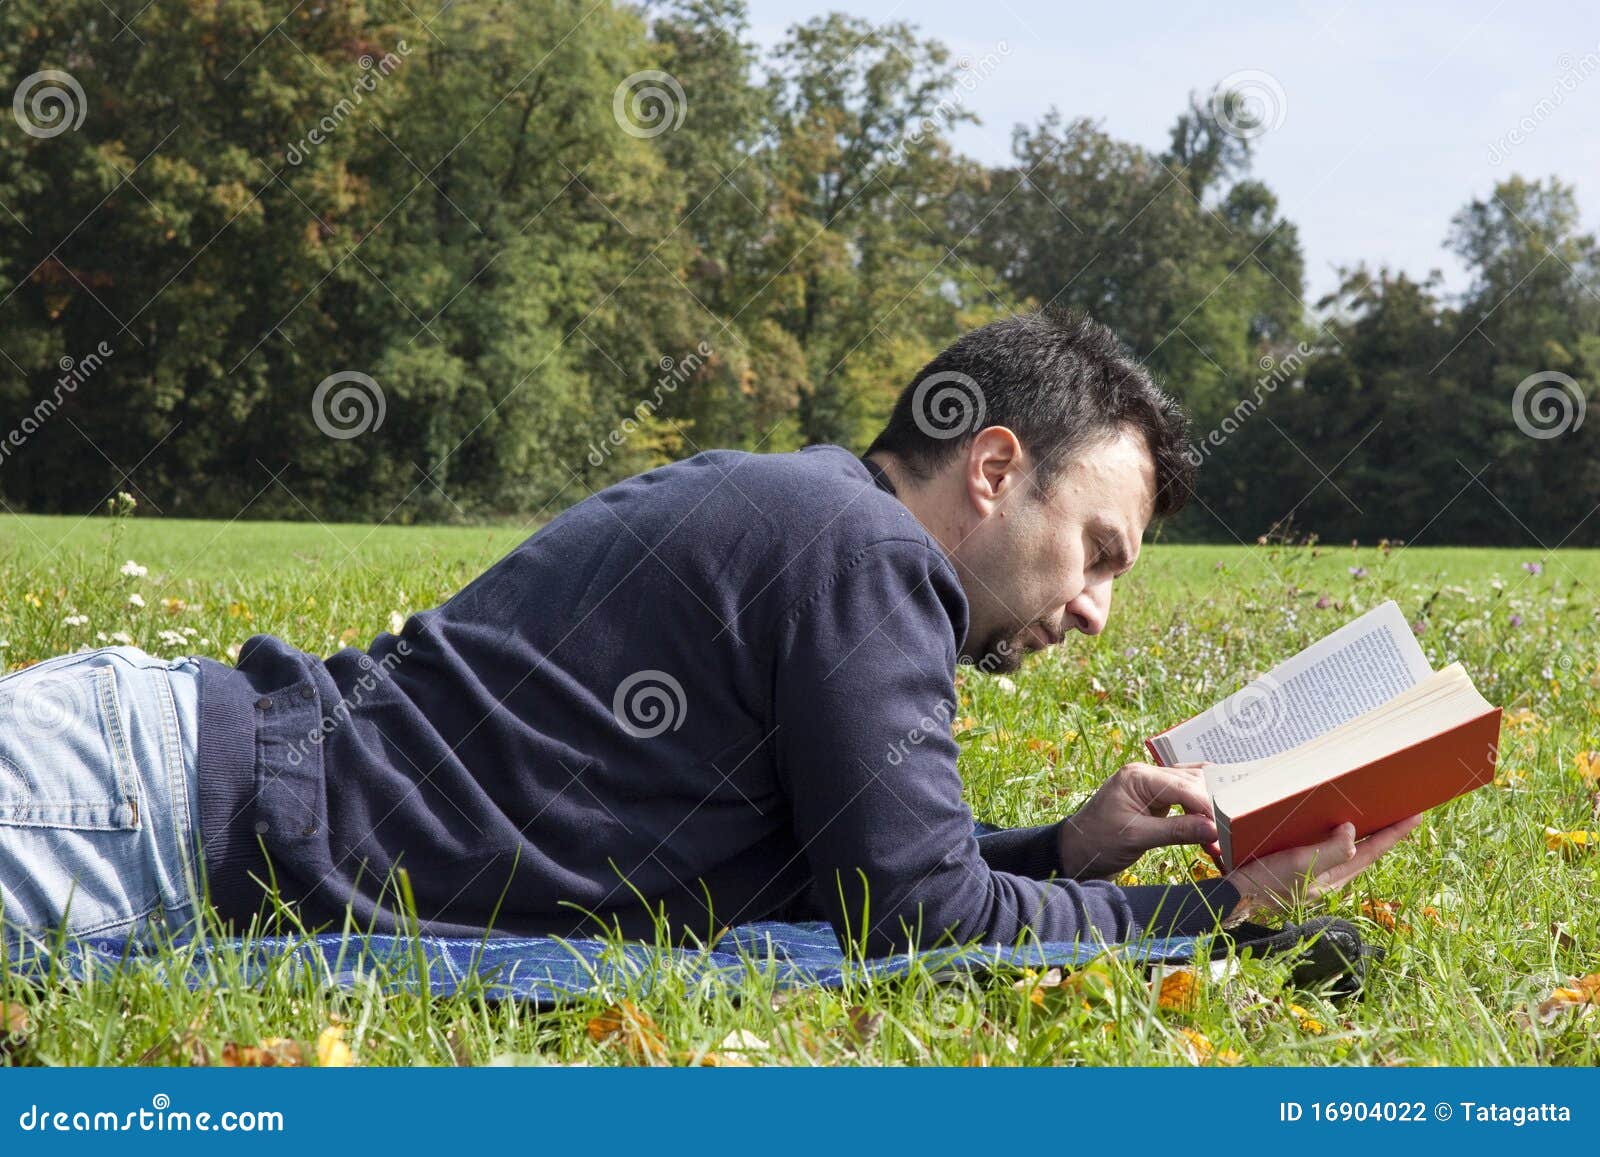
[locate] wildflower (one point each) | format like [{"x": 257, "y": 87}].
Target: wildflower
[
  {"x": 122, "y": 637},
  {"x": 1357, "y": 572},
  {"x": 1534, "y": 568},
  {"x": 173, "y": 606},
  {"x": 134, "y": 570},
  {"x": 1419, "y": 626},
  {"x": 1515, "y": 620},
  {"x": 136, "y": 599},
  {"x": 397, "y": 622},
  {"x": 76, "y": 620},
  {"x": 1324, "y": 603}
]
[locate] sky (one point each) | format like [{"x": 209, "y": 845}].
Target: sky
[{"x": 1389, "y": 118}]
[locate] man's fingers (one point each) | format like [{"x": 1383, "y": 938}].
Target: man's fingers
[
  {"x": 1369, "y": 849},
  {"x": 1164, "y": 831},
  {"x": 1161, "y": 787}
]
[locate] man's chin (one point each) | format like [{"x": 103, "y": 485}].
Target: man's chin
[{"x": 1002, "y": 657}]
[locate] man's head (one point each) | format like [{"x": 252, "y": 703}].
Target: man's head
[{"x": 1036, "y": 450}]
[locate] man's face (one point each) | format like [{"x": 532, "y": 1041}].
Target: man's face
[{"x": 1036, "y": 566}]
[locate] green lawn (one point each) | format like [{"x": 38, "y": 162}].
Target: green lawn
[{"x": 1480, "y": 918}]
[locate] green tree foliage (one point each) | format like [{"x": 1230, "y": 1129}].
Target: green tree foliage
[{"x": 345, "y": 263}]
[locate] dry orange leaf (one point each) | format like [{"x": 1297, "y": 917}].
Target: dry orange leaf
[
  {"x": 1581, "y": 994},
  {"x": 1178, "y": 991},
  {"x": 1308, "y": 1023},
  {"x": 1385, "y": 914},
  {"x": 332, "y": 1052},
  {"x": 274, "y": 1052},
  {"x": 633, "y": 1028},
  {"x": 1589, "y": 767},
  {"x": 1201, "y": 1051},
  {"x": 1570, "y": 843}
]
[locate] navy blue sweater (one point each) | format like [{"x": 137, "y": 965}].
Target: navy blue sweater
[{"x": 716, "y": 691}]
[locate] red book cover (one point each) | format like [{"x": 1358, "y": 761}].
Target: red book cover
[{"x": 1375, "y": 795}]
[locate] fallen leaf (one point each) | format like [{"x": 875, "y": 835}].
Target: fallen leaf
[
  {"x": 1570, "y": 844},
  {"x": 1562, "y": 937},
  {"x": 1589, "y": 767},
  {"x": 14, "y": 1029},
  {"x": 1580, "y": 995},
  {"x": 864, "y": 1025},
  {"x": 1385, "y": 914},
  {"x": 332, "y": 1052},
  {"x": 1308, "y": 1023},
  {"x": 1201, "y": 1051},
  {"x": 633, "y": 1028},
  {"x": 274, "y": 1052},
  {"x": 1177, "y": 990}
]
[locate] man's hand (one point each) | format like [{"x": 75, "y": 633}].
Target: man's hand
[
  {"x": 1277, "y": 882},
  {"x": 1129, "y": 815}
]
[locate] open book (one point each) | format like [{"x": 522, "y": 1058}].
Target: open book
[{"x": 1357, "y": 727}]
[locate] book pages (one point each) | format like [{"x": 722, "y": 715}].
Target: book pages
[{"x": 1362, "y": 665}]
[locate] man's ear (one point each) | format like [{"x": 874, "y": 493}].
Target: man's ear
[{"x": 996, "y": 468}]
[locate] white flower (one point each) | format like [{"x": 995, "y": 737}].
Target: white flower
[
  {"x": 122, "y": 637},
  {"x": 136, "y": 599},
  {"x": 397, "y": 622},
  {"x": 134, "y": 570},
  {"x": 76, "y": 620},
  {"x": 1005, "y": 684}
]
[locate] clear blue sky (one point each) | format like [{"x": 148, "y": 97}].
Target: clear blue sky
[{"x": 1392, "y": 112}]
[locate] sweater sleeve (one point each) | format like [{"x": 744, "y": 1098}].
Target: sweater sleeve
[{"x": 863, "y": 695}]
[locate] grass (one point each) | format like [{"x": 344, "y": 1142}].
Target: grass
[{"x": 1481, "y": 919}]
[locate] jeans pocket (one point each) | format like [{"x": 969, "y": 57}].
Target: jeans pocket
[{"x": 65, "y": 758}]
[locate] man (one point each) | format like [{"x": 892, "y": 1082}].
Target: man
[{"x": 709, "y": 694}]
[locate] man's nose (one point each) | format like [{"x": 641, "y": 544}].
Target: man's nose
[{"x": 1089, "y": 611}]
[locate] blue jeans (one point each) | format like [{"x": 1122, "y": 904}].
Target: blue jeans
[{"x": 98, "y": 813}]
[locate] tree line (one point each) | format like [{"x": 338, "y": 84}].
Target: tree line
[{"x": 343, "y": 263}]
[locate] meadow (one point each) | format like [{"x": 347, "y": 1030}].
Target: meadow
[{"x": 1490, "y": 913}]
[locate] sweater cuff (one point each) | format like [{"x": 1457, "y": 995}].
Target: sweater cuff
[
  {"x": 1031, "y": 852},
  {"x": 1181, "y": 909}
]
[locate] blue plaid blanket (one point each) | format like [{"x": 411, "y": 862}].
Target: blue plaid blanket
[{"x": 548, "y": 969}]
